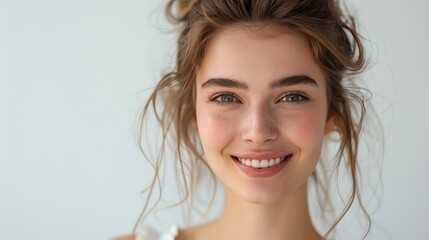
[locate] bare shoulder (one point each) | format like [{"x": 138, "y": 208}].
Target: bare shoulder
[
  {"x": 204, "y": 231},
  {"x": 130, "y": 237}
]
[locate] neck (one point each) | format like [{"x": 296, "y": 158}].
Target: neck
[{"x": 288, "y": 219}]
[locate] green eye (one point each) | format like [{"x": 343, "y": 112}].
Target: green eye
[
  {"x": 225, "y": 98},
  {"x": 294, "y": 98}
]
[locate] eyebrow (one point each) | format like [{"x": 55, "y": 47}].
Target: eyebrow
[
  {"x": 294, "y": 80},
  {"x": 281, "y": 82},
  {"x": 224, "y": 82}
]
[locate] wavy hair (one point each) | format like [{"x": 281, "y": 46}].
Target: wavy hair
[{"x": 336, "y": 46}]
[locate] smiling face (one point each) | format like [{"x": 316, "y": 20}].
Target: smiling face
[{"x": 261, "y": 111}]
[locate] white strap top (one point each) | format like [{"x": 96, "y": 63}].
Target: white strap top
[{"x": 149, "y": 233}]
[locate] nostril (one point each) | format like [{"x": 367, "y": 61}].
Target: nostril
[{"x": 259, "y": 127}]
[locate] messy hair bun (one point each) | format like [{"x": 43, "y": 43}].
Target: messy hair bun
[{"x": 336, "y": 46}]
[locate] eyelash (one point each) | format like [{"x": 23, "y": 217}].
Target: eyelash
[
  {"x": 233, "y": 99},
  {"x": 301, "y": 98},
  {"x": 217, "y": 99}
]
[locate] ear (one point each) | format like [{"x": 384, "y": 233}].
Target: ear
[{"x": 330, "y": 123}]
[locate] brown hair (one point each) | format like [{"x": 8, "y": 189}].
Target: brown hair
[{"x": 336, "y": 46}]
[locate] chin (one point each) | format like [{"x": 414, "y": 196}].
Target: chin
[{"x": 263, "y": 195}]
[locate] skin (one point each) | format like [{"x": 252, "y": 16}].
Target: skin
[
  {"x": 255, "y": 118},
  {"x": 291, "y": 118}
]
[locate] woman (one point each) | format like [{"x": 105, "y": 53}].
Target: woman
[{"x": 258, "y": 87}]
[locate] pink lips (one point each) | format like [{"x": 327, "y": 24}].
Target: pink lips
[{"x": 262, "y": 172}]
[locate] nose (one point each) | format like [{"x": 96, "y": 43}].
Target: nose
[{"x": 259, "y": 126}]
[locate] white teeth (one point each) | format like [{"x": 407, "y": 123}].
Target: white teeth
[
  {"x": 261, "y": 163},
  {"x": 248, "y": 163},
  {"x": 255, "y": 163}
]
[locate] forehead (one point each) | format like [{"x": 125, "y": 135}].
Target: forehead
[{"x": 259, "y": 53}]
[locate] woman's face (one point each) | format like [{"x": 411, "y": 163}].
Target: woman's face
[{"x": 261, "y": 111}]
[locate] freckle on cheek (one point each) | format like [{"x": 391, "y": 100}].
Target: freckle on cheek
[
  {"x": 215, "y": 128},
  {"x": 216, "y": 125},
  {"x": 309, "y": 127}
]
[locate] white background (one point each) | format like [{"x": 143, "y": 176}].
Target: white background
[{"x": 71, "y": 75}]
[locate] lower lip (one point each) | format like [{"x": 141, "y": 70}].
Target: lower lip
[{"x": 262, "y": 172}]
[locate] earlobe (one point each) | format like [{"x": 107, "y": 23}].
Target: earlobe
[{"x": 330, "y": 124}]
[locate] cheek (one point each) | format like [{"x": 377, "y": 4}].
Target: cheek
[
  {"x": 306, "y": 130},
  {"x": 215, "y": 130}
]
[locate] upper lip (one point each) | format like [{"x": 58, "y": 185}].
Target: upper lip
[{"x": 261, "y": 155}]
